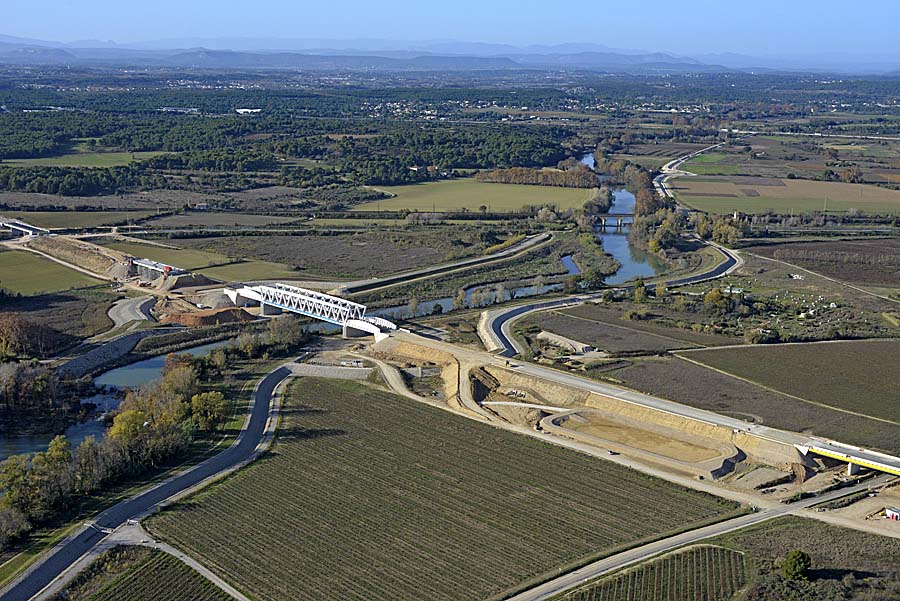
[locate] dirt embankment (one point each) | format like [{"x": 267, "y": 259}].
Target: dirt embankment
[
  {"x": 96, "y": 259},
  {"x": 548, "y": 393},
  {"x": 210, "y": 317},
  {"x": 391, "y": 349}
]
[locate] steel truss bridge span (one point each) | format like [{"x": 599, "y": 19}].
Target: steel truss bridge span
[{"x": 275, "y": 298}]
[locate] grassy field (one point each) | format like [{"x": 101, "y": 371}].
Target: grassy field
[
  {"x": 851, "y": 375},
  {"x": 757, "y": 195},
  {"x": 212, "y": 264},
  {"x": 702, "y": 573},
  {"x": 453, "y": 195},
  {"x": 355, "y": 255},
  {"x": 611, "y": 338},
  {"x": 139, "y": 574},
  {"x": 77, "y": 219},
  {"x": 874, "y": 262},
  {"x": 84, "y": 159},
  {"x": 370, "y": 495},
  {"x": 212, "y": 219},
  {"x": 698, "y": 386},
  {"x": 26, "y": 273}
]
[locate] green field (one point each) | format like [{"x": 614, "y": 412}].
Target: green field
[
  {"x": 712, "y": 168},
  {"x": 372, "y": 496},
  {"x": 709, "y": 157},
  {"x": 183, "y": 258},
  {"x": 76, "y": 219},
  {"x": 457, "y": 194},
  {"x": 702, "y": 573},
  {"x": 220, "y": 267},
  {"x": 83, "y": 159},
  {"x": 140, "y": 574},
  {"x": 27, "y": 273},
  {"x": 854, "y": 375}
]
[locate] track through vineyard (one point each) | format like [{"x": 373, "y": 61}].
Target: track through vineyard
[
  {"x": 367, "y": 495},
  {"x": 703, "y": 573},
  {"x": 154, "y": 575}
]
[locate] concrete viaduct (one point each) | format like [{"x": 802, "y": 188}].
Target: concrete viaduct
[{"x": 23, "y": 228}]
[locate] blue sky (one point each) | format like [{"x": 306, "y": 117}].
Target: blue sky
[{"x": 761, "y": 27}]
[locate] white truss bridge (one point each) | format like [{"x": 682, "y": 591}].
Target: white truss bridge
[{"x": 275, "y": 298}]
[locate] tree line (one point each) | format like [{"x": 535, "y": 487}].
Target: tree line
[
  {"x": 153, "y": 425},
  {"x": 579, "y": 177}
]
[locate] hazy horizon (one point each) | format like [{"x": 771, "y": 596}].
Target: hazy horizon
[{"x": 701, "y": 27}]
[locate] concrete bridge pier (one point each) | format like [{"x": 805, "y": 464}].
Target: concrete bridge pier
[
  {"x": 852, "y": 469},
  {"x": 266, "y": 309}
]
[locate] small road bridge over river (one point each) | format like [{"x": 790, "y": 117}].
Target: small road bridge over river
[{"x": 275, "y": 298}]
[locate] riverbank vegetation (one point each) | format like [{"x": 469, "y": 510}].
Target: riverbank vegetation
[{"x": 155, "y": 425}]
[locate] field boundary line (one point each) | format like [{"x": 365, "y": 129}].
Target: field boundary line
[
  {"x": 787, "y": 394},
  {"x": 614, "y": 325},
  {"x": 815, "y": 273}
]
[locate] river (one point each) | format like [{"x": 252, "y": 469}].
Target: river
[
  {"x": 636, "y": 263},
  {"x": 129, "y": 376}
]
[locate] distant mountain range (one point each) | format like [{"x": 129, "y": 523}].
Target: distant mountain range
[{"x": 314, "y": 54}]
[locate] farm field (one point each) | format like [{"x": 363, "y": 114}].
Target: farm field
[
  {"x": 744, "y": 564},
  {"x": 356, "y": 255},
  {"x": 678, "y": 380},
  {"x": 26, "y": 273},
  {"x": 701, "y": 573},
  {"x": 84, "y": 159},
  {"x": 599, "y": 313},
  {"x": 209, "y": 263},
  {"x": 874, "y": 262},
  {"x": 804, "y": 157},
  {"x": 611, "y": 338},
  {"x": 139, "y": 574},
  {"x": 75, "y": 219},
  {"x": 758, "y": 195},
  {"x": 179, "y": 257},
  {"x": 855, "y": 565},
  {"x": 666, "y": 150},
  {"x": 849, "y": 375},
  {"x": 646, "y": 161},
  {"x": 453, "y": 195},
  {"x": 370, "y": 495},
  {"x": 213, "y": 219}
]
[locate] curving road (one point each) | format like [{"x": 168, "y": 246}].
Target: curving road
[
  {"x": 70, "y": 550},
  {"x": 127, "y": 310},
  {"x": 496, "y": 323}
]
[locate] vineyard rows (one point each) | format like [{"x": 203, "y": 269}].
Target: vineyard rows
[
  {"x": 160, "y": 576},
  {"x": 367, "y": 495},
  {"x": 703, "y": 573}
]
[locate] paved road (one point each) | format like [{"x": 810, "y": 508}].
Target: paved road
[
  {"x": 131, "y": 309},
  {"x": 69, "y": 551},
  {"x": 498, "y": 322},
  {"x": 615, "y": 562}
]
